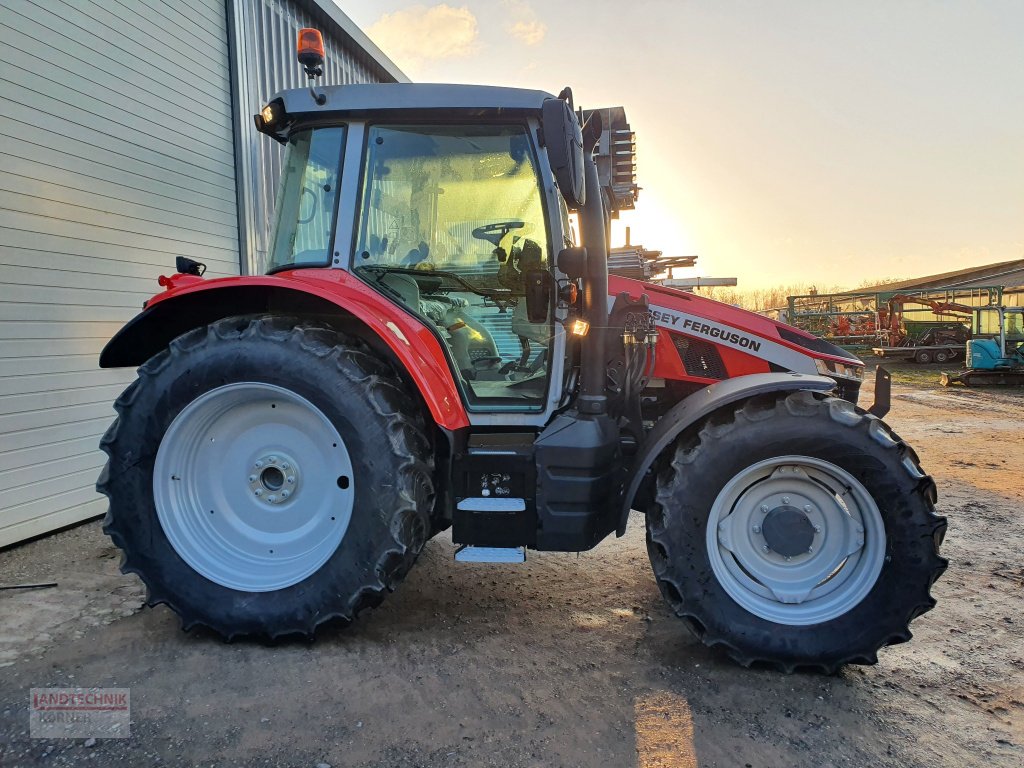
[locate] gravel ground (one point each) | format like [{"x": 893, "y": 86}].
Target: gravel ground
[{"x": 562, "y": 661}]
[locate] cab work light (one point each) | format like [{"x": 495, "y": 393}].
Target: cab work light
[
  {"x": 580, "y": 327},
  {"x": 269, "y": 119},
  {"x": 270, "y": 113}
]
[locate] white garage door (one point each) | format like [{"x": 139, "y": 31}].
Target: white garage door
[{"x": 116, "y": 156}]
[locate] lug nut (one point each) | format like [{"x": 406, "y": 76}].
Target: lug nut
[
  {"x": 252, "y": 478},
  {"x": 808, "y": 508},
  {"x": 291, "y": 478},
  {"x": 258, "y": 492},
  {"x": 810, "y": 550},
  {"x": 764, "y": 508},
  {"x": 285, "y": 466},
  {"x": 785, "y": 499},
  {"x": 787, "y": 558},
  {"x": 766, "y": 548},
  {"x": 271, "y": 498},
  {"x": 258, "y": 464},
  {"x": 817, "y": 529},
  {"x": 756, "y": 529},
  {"x": 272, "y": 460},
  {"x": 285, "y": 493}
]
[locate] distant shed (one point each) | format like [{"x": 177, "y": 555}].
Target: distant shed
[
  {"x": 852, "y": 316},
  {"x": 1008, "y": 274}
]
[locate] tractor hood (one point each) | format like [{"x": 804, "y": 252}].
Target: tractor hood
[{"x": 749, "y": 342}]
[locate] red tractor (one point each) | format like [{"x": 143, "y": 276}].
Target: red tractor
[{"x": 430, "y": 349}]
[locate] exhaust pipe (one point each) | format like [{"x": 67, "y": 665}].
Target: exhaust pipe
[{"x": 593, "y": 229}]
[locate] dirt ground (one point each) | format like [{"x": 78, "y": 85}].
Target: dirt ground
[{"x": 562, "y": 661}]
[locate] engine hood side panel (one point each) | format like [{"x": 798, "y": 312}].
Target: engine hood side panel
[{"x": 743, "y": 341}]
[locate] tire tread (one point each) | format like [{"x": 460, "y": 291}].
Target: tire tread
[
  {"x": 702, "y": 439},
  {"x": 382, "y": 389}
]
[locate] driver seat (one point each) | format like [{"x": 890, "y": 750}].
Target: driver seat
[
  {"x": 527, "y": 257},
  {"x": 527, "y": 332}
]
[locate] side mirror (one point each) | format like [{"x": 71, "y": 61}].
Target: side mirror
[
  {"x": 572, "y": 262},
  {"x": 537, "y": 284},
  {"x": 563, "y": 138}
]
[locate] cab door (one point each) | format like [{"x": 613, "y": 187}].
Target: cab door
[{"x": 452, "y": 225}]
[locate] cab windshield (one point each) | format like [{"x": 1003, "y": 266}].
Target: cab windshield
[
  {"x": 451, "y": 222},
  {"x": 304, "y": 215}
]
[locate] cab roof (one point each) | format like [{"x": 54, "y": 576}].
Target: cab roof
[{"x": 363, "y": 99}]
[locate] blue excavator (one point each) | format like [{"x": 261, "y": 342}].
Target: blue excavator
[{"x": 995, "y": 351}]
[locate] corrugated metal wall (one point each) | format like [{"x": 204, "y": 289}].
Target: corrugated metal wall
[
  {"x": 119, "y": 152},
  {"x": 266, "y": 30},
  {"x": 117, "y": 156}
]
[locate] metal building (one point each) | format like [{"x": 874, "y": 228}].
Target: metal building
[{"x": 128, "y": 140}]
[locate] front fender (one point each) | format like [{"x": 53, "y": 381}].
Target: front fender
[
  {"x": 193, "y": 303},
  {"x": 701, "y": 404}
]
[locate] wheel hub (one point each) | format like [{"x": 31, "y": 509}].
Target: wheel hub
[
  {"x": 274, "y": 478},
  {"x": 788, "y": 531},
  {"x": 253, "y": 486},
  {"x": 795, "y": 540}
]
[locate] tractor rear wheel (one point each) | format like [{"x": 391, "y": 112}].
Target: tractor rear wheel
[
  {"x": 796, "y": 530},
  {"x": 265, "y": 476}
]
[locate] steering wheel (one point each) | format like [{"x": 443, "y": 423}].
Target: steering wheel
[
  {"x": 494, "y": 233},
  {"x": 312, "y": 208}
]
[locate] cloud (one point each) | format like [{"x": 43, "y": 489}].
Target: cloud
[
  {"x": 529, "y": 32},
  {"x": 420, "y": 33},
  {"x": 524, "y": 24}
]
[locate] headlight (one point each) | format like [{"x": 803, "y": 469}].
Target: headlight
[{"x": 829, "y": 368}]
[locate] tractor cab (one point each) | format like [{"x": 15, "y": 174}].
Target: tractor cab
[{"x": 452, "y": 213}]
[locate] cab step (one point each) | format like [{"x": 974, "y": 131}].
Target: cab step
[{"x": 470, "y": 554}]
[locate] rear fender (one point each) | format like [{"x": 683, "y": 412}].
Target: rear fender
[
  {"x": 330, "y": 294},
  {"x": 695, "y": 408}
]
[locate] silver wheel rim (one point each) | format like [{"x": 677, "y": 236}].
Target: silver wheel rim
[
  {"x": 253, "y": 486},
  {"x": 796, "y": 540}
]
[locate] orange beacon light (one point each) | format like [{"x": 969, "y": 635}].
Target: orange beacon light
[{"x": 310, "y": 47}]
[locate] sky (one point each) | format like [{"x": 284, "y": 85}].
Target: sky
[{"x": 784, "y": 142}]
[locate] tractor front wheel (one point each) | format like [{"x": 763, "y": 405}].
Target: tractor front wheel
[
  {"x": 795, "y": 530},
  {"x": 265, "y": 476}
]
